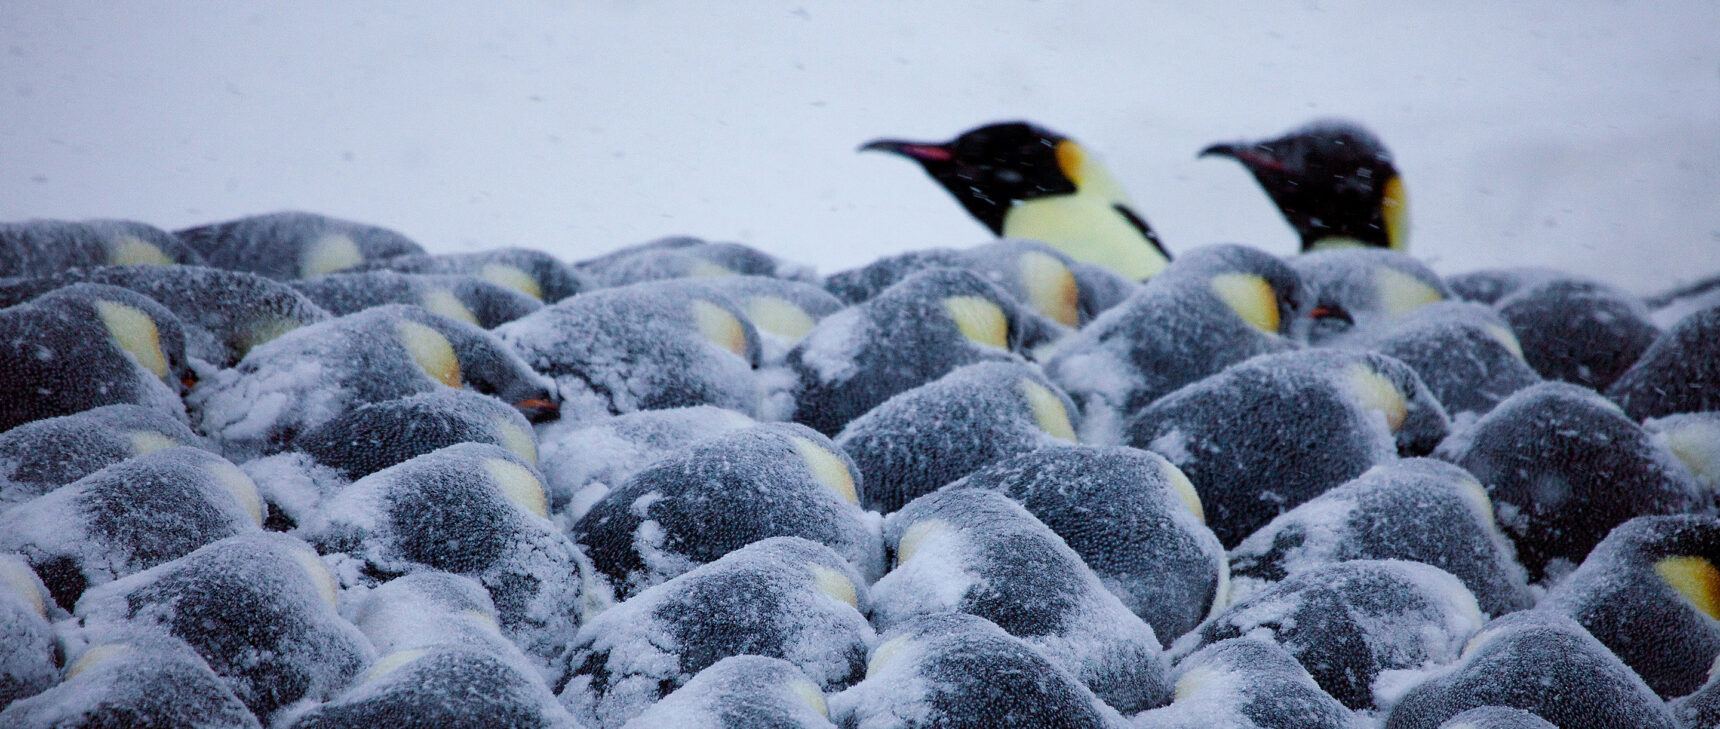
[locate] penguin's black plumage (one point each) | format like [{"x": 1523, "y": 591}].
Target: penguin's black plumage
[
  {"x": 1035, "y": 273},
  {"x": 1464, "y": 352},
  {"x": 45, "y": 247},
  {"x": 29, "y": 657},
  {"x": 136, "y": 679},
  {"x": 374, "y": 436},
  {"x": 42, "y": 455},
  {"x": 290, "y": 245},
  {"x": 584, "y": 460},
  {"x": 1333, "y": 181},
  {"x": 687, "y": 257},
  {"x": 1246, "y": 682},
  {"x": 534, "y": 273},
  {"x": 1577, "y": 330},
  {"x": 457, "y": 296},
  {"x": 1678, "y": 373},
  {"x": 440, "y": 686},
  {"x": 741, "y": 692}
]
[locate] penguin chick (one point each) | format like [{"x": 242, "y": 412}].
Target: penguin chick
[
  {"x": 1496, "y": 717},
  {"x": 1036, "y": 274},
  {"x": 1541, "y": 662},
  {"x": 583, "y": 461},
  {"x": 1563, "y": 466},
  {"x": 1247, "y": 683},
  {"x": 534, "y": 273},
  {"x": 1350, "y": 622},
  {"x": 316, "y": 373},
  {"x": 913, "y": 333},
  {"x": 1650, "y": 592},
  {"x": 687, "y": 257},
  {"x": 86, "y": 346},
  {"x": 1024, "y": 181},
  {"x": 1362, "y": 290},
  {"x": 429, "y": 609},
  {"x": 28, "y": 656},
  {"x": 470, "y": 509},
  {"x": 1414, "y": 509},
  {"x": 1132, "y": 517},
  {"x": 976, "y": 551},
  {"x": 1465, "y": 354},
  {"x": 130, "y": 517},
  {"x": 1267, "y": 434},
  {"x": 931, "y": 435},
  {"x": 1578, "y": 331},
  {"x": 741, "y": 692},
  {"x": 957, "y": 671},
  {"x": 783, "y": 597},
  {"x": 37, "y": 248},
  {"x": 465, "y": 298},
  {"x": 139, "y": 679},
  {"x": 1678, "y": 373},
  {"x": 723, "y": 493},
  {"x": 1333, "y": 181},
  {"x": 1214, "y": 307},
  {"x": 260, "y": 608},
  {"x": 439, "y": 686},
  {"x": 43, "y": 455},
  {"x": 648, "y": 346},
  {"x": 290, "y": 245},
  {"x": 224, "y": 313}
]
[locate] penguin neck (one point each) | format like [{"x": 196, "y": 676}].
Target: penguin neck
[{"x": 1091, "y": 229}]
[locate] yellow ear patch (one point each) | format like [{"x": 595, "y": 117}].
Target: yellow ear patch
[
  {"x": 1394, "y": 207},
  {"x": 1251, "y": 297},
  {"x": 432, "y": 351},
  {"x": 144, "y": 442},
  {"x": 882, "y": 655},
  {"x": 915, "y": 534},
  {"x": 707, "y": 269},
  {"x": 827, "y": 468},
  {"x": 1192, "y": 681},
  {"x": 243, "y": 489},
  {"x": 134, "y": 332},
  {"x": 130, "y": 250},
  {"x": 1696, "y": 579},
  {"x": 1401, "y": 293},
  {"x": 1051, "y": 287},
  {"x": 518, "y": 440},
  {"x": 1507, "y": 338},
  {"x": 1375, "y": 392},
  {"x": 1697, "y": 444},
  {"x": 1477, "y": 496},
  {"x": 835, "y": 584},
  {"x": 519, "y": 485},
  {"x": 1185, "y": 489},
  {"x": 18, "y": 577},
  {"x": 318, "y": 573},
  {"x": 811, "y": 695},
  {"x": 979, "y": 319},
  {"x": 512, "y": 277},
  {"x": 95, "y": 655},
  {"x": 779, "y": 316},
  {"x": 392, "y": 662},
  {"x": 263, "y": 332},
  {"x": 1048, "y": 410},
  {"x": 330, "y": 253},
  {"x": 720, "y": 327},
  {"x": 444, "y": 302}
]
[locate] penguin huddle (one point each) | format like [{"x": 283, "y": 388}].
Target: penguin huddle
[{"x": 293, "y": 471}]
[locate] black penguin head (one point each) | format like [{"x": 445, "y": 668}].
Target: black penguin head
[
  {"x": 1333, "y": 181},
  {"x": 988, "y": 168}
]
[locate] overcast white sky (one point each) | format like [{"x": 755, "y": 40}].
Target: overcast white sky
[{"x": 1580, "y": 134}]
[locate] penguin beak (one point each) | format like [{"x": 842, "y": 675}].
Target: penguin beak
[
  {"x": 1249, "y": 155},
  {"x": 917, "y": 151},
  {"x": 537, "y": 410}
]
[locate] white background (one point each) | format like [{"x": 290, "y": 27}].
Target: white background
[{"x": 1580, "y": 134}]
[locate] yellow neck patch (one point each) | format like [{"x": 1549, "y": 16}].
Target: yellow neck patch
[
  {"x": 884, "y": 653},
  {"x": 1694, "y": 578},
  {"x": 134, "y": 332},
  {"x": 512, "y": 277},
  {"x": 144, "y": 442},
  {"x": 1086, "y": 227},
  {"x": 519, "y": 485},
  {"x": 444, "y": 302},
  {"x": 1185, "y": 489},
  {"x": 95, "y": 655},
  {"x": 707, "y": 269},
  {"x": 779, "y": 316},
  {"x": 1374, "y": 392},
  {"x": 827, "y": 468},
  {"x": 979, "y": 319},
  {"x": 517, "y": 439},
  {"x": 811, "y": 695},
  {"x": 318, "y": 574},
  {"x": 330, "y": 253},
  {"x": 915, "y": 535},
  {"x": 1048, "y": 410},
  {"x": 720, "y": 327},
  {"x": 243, "y": 489},
  {"x": 18, "y": 577},
  {"x": 836, "y": 585},
  {"x": 432, "y": 351},
  {"x": 1394, "y": 207},
  {"x": 130, "y": 250},
  {"x": 1051, "y": 287},
  {"x": 392, "y": 662},
  {"x": 1251, "y": 297},
  {"x": 1401, "y": 293},
  {"x": 1507, "y": 338}
]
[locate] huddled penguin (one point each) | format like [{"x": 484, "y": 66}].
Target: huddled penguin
[
  {"x": 1465, "y": 353},
  {"x": 1650, "y": 592},
  {"x": 910, "y": 334},
  {"x": 1415, "y": 509},
  {"x": 42, "y": 455},
  {"x": 1496, "y": 717},
  {"x": 1694, "y": 438},
  {"x": 687, "y": 257},
  {"x": 1362, "y": 290},
  {"x": 723, "y": 493},
  {"x": 1349, "y": 623},
  {"x": 471, "y": 509},
  {"x": 432, "y": 608},
  {"x": 1699, "y": 710},
  {"x": 1563, "y": 466},
  {"x": 137, "y": 679},
  {"x": 37, "y": 248},
  {"x": 1024, "y": 181},
  {"x": 1132, "y": 517},
  {"x": 436, "y": 687},
  {"x": 1277, "y": 430},
  {"x": 1678, "y": 373},
  {"x": 1215, "y": 307},
  {"x": 29, "y": 655},
  {"x": 1334, "y": 182},
  {"x": 316, "y": 373},
  {"x": 784, "y": 311},
  {"x": 741, "y": 692},
  {"x": 130, "y": 517},
  {"x": 1579, "y": 331},
  {"x": 1247, "y": 683},
  {"x": 583, "y": 461},
  {"x": 976, "y": 551},
  {"x": 224, "y": 313},
  {"x": 260, "y": 608},
  {"x": 660, "y": 344},
  {"x": 374, "y": 436},
  {"x": 958, "y": 671},
  {"x": 533, "y": 273},
  {"x": 467, "y": 298},
  {"x": 1033, "y": 272},
  {"x": 290, "y": 245},
  {"x": 1489, "y": 285},
  {"x": 1541, "y": 662},
  {"x": 1667, "y": 307},
  {"x": 931, "y": 435},
  {"x": 86, "y": 346},
  {"x": 783, "y": 597}
]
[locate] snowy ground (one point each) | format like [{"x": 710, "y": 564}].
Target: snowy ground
[{"x": 1584, "y": 135}]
